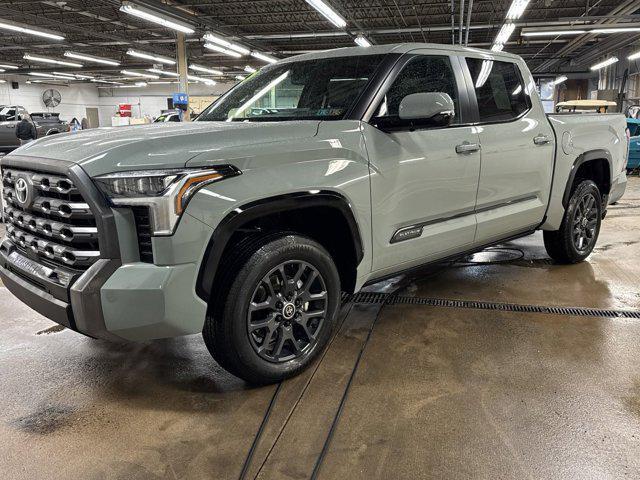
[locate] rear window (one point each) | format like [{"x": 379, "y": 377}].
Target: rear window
[{"x": 499, "y": 88}]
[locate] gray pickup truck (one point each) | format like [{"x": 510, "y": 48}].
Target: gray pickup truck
[
  {"x": 318, "y": 174},
  {"x": 45, "y": 124}
]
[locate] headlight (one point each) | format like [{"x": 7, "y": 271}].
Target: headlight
[{"x": 165, "y": 192}]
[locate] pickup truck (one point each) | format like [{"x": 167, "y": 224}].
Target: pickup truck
[
  {"x": 316, "y": 175},
  {"x": 10, "y": 115},
  {"x": 49, "y": 123}
]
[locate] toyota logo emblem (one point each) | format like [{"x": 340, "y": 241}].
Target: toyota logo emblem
[
  {"x": 22, "y": 191},
  {"x": 289, "y": 311}
]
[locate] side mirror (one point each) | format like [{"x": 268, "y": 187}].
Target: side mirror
[{"x": 429, "y": 108}]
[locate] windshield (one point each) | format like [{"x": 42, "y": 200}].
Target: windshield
[{"x": 324, "y": 89}]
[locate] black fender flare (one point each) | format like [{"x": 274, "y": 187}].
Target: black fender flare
[
  {"x": 260, "y": 208},
  {"x": 585, "y": 157}
]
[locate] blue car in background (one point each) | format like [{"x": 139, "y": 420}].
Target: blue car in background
[{"x": 633, "y": 124}]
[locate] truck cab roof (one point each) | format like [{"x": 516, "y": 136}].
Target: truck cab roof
[{"x": 398, "y": 48}]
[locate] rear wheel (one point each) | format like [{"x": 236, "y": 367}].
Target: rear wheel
[
  {"x": 279, "y": 309},
  {"x": 578, "y": 233}
]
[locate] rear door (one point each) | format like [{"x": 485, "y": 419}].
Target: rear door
[
  {"x": 518, "y": 147},
  {"x": 423, "y": 185}
]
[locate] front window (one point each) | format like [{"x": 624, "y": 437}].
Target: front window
[
  {"x": 423, "y": 74},
  {"x": 7, "y": 114},
  {"x": 324, "y": 89}
]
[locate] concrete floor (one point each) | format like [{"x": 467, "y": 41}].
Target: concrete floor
[{"x": 437, "y": 392}]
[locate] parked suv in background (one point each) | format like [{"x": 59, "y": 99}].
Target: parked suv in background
[{"x": 316, "y": 175}]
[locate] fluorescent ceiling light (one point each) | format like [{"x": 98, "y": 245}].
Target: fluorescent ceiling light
[
  {"x": 633, "y": 56},
  {"x": 17, "y": 27},
  {"x": 504, "y": 33},
  {"x": 559, "y": 80},
  {"x": 606, "y": 63},
  {"x": 35, "y": 58},
  {"x": 208, "y": 81},
  {"x": 241, "y": 77},
  {"x": 218, "y": 40},
  {"x": 75, "y": 75},
  {"x": 135, "y": 85},
  {"x": 8, "y": 67},
  {"x": 263, "y": 57},
  {"x": 615, "y": 30},
  {"x": 551, "y": 33},
  {"x": 226, "y": 51},
  {"x": 212, "y": 71},
  {"x": 138, "y": 74},
  {"x": 154, "y": 17},
  {"x": 516, "y": 9},
  {"x": 97, "y": 80},
  {"x": 3, "y": 81},
  {"x": 362, "y": 41},
  {"x": 497, "y": 47},
  {"x": 152, "y": 57},
  {"x": 163, "y": 72},
  {"x": 328, "y": 13},
  {"x": 250, "y": 69},
  {"x": 91, "y": 58},
  {"x": 51, "y": 75}
]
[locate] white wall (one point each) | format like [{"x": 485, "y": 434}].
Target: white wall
[
  {"x": 75, "y": 98},
  {"x": 150, "y": 100}
]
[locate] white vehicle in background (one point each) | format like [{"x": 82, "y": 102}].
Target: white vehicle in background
[{"x": 170, "y": 116}]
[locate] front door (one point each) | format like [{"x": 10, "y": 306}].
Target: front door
[
  {"x": 518, "y": 148},
  {"x": 424, "y": 178}
]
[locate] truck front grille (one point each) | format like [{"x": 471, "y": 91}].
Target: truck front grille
[{"x": 48, "y": 218}]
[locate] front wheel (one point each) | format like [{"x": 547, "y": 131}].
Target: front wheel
[
  {"x": 580, "y": 226},
  {"x": 279, "y": 310}
]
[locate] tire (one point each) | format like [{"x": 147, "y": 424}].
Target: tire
[
  {"x": 577, "y": 237},
  {"x": 288, "y": 324}
]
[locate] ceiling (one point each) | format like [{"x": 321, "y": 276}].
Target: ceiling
[{"x": 287, "y": 27}]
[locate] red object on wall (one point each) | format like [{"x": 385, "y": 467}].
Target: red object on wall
[{"x": 125, "y": 109}]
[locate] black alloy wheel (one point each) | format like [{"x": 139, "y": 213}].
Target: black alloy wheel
[{"x": 287, "y": 310}]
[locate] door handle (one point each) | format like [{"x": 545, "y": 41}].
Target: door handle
[
  {"x": 467, "y": 148},
  {"x": 541, "y": 140}
]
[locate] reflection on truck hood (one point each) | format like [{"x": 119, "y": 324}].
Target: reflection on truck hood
[{"x": 161, "y": 145}]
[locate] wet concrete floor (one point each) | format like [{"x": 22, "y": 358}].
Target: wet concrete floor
[{"x": 437, "y": 392}]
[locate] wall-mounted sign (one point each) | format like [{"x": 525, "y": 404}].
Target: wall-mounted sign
[
  {"x": 124, "y": 109},
  {"x": 180, "y": 99}
]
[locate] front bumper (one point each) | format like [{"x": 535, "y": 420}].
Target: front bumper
[
  {"x": 77, "y": 307},
  {"x": 118, "y": 296}
]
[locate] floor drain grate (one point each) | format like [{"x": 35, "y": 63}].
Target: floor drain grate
[{"x": 380, "y": 298}]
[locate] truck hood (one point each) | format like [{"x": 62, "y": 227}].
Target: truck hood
[{"x": 160, "y": 145}]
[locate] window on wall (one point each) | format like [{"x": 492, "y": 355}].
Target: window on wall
[
  {"x": 423, "y": 74},
  {"x": 499, "y": 88}
]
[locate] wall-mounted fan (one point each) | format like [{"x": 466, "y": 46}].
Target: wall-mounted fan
[{"x": 51, "y": 97}]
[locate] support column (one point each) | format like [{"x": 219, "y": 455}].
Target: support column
[{"x": 183, "y": 71}]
